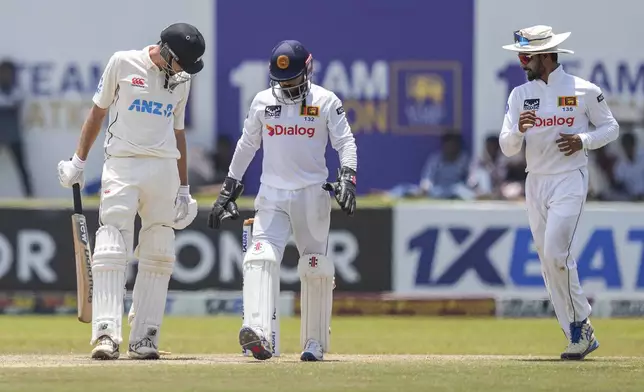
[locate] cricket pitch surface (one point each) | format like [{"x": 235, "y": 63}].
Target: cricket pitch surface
[{"x": 368, "y": 354}]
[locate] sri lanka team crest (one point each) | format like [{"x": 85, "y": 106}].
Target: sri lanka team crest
[{"x": 425, "y": 96}]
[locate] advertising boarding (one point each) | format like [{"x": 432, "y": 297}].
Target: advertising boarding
[
  {"x": 402, "y": 68},
  {"x": 60, "y": 49},
  {"x": 484, "y": 249},
  {"x": 604, "y": 55},
  {"x": 37, "y": 254}
]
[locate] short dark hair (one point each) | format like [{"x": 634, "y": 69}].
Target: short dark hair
[
  {"x": 9, "y": 65},
  {"x": 451, "y": 137}
]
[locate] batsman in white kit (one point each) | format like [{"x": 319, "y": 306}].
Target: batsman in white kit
[
  {"x": 293, "y": 119},
  {"x": 144, "y": 172},
  {"x": 551, "y": 112}
]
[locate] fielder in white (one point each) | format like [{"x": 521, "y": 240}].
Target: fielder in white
[
  {"x": 144, "y": 172},
  {"x": 551, "y": 112},
  {"x": 294, "y": 119}
]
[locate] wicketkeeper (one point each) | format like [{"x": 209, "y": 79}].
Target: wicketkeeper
[{"x": 293, "y": 119}]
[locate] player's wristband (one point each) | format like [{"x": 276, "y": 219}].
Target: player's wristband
[
  {"x": 584, "y": 140},
  {"x": 77, "y": 162},
  {"x": 184, "y": 190}
]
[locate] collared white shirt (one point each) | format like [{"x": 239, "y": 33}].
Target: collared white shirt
[
  {"x": 294, "y": 139},
  {"x": 143, "y": 114},
  {"x": 566, "y": 104}
]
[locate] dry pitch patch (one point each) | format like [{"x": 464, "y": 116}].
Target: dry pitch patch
[
  {"x": 350, "y": 373},
  {"x": 52, "y": 361}
]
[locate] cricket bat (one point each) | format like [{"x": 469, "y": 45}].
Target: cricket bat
[{"x": 83, "y": 255}]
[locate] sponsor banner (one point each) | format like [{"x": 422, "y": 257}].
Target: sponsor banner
[
  {"x": 60, "y": 78},
  {"x": 400, "y": 87},
  {"x": 605, "y": 57},
  {"x": 213, "y": 303},
  {"x": 201, "y": 303},
  {"x": 19, "y": 303},
  {"x": 605, "y": 305},
  {"x": 524, "y": 307},
  {"x": 623, "y": 308},
  {"x": 376, "y": 304},
  {"x": 619, "y": 306},
  {"x": 487, "y": 249},
  {"x": 36, "y": 252},
  {"x": 519, "y": 305}
]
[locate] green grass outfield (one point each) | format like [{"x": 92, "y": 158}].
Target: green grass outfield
[{"x": 368, "y": 354}]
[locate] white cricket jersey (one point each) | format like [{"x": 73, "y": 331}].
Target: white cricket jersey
[
  {"x": 566, "y": 104},
  {"x": 294, "y": 138},
  {"x": 143, "y": 114}
]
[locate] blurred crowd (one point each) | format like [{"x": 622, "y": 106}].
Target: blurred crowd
[
  {"x": 208, "y": 168},
  {"x": 616, "y": 172}
]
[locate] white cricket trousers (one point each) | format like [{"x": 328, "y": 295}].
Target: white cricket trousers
[
  {"x": 148, "y": 186},
  {"x": 305, "y": 213},
  {"x": 555, "y": 203}
]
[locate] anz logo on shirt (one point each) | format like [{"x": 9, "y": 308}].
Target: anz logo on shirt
[{"x": 151, "y": 107}]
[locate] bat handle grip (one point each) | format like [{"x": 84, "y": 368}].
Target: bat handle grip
[{"x": 78, "y": 204}]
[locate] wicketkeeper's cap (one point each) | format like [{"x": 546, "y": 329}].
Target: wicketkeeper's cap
[{"x": 289, "y": 60}]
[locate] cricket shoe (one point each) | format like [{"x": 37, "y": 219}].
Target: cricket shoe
[
  {"x": 255, "y": 342},
  {"x": 312, "y": 351},
  {"x": 145, "y": 348},
  {"x": 105, "y": 349},
  {"x": 582, "y": 341}
]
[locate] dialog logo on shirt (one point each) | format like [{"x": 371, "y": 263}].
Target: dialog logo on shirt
[
  {"x": 531, "y": 104},
  {"x": 554, "y": 121},
  {"x": 292, "y": 130}
]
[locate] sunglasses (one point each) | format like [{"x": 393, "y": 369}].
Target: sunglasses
[
  {"x": 523, "y": 41},
  {"x": 525, "y": 58}
]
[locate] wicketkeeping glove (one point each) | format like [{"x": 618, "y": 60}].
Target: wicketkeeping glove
[
  {"x": 344, "y": 190},
  {"x": 225, "y": 206}
]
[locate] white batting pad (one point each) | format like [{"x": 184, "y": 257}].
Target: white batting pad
[
  {"x": 108, "y": 270},
  {"x": 316, "y": 298},
  {"x": 156, "y": 259},
  {"x": 259, "y": 268}
]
